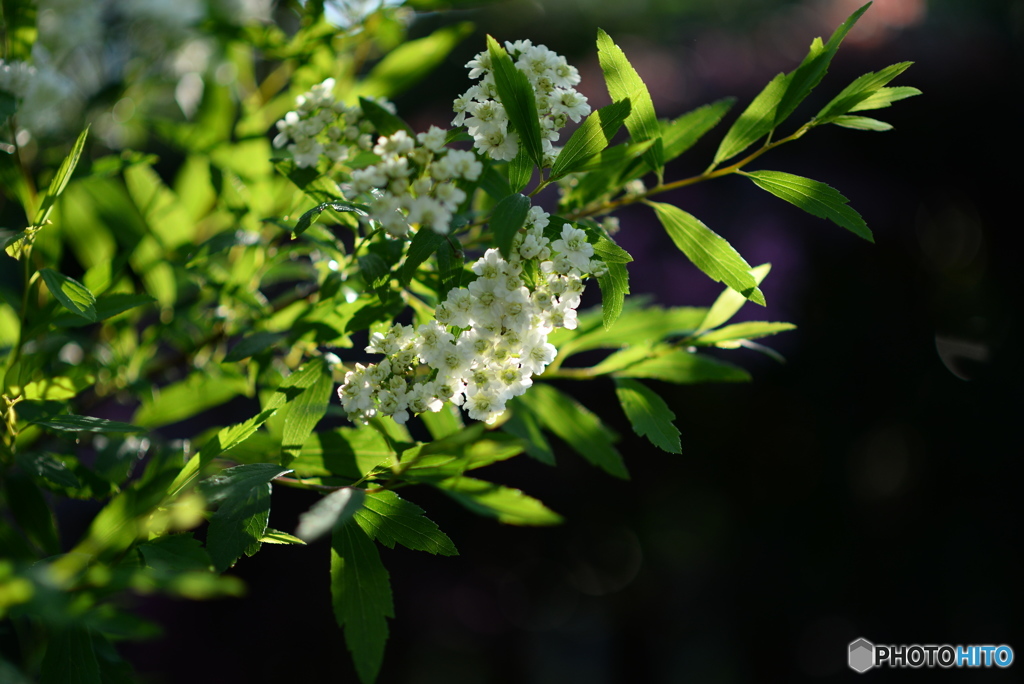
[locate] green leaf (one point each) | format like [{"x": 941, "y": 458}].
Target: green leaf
[
  {"x": 614, "y": 288},
  {"x": 175, "y": 554},
  {"x": 445, "y": 422},
  {"x": 377, "y": 275},
  {"x": 411, "y": 62},
  {"x": 252, "y": 345},
  {"x": 682, "y": 367},
  {"x": 86, "y": 424},
  {"x": 756, "y": 120},
  {"x": 624, "y": 83},
  {"x": 860, "y": 90},
  {"x": 592, "y": 137},
  {"x": 508, "y": 505},
  {"x": 26, "y": 504},
  {"x": 813, "y": 197},
  {"x": 49, "y": 467},
  {"x": 520, "y": 170},
  {"x": 383, "y": 121},
  {"x": 748, "y": 330},
  {"x": 310, "y": 217},
  {"x": 524, "y": 425},
  {"x": 450, "y": 260},
  {"x": 861, "y": 123},
  {"x": 272, "y": 536},
  {"x": 302, "y": 414},
  {"x": 576, "y": 426},
  {"x": 60, "y": 179},
  {"x": 508, "y": 217},
  {"x": 424, "y": 243},
  {"x": 612, "y": 161},
  {"x": 649, "y": 415},
  {"x": 70, "y": 658},
  {"x": 609, "y": 252},
  {"x": 337, "y": 508},
  {"x": 730, "y": 301},
  {"x": 314, "y": 184},
  {"x": 75, "y": 296},
  {"x": 637, "y": 325},
  {"x": 243, "y": 495},
  {"x": 107, "y": 306},
  {"x": 709, "y": 251},
  {"x": 813, "y": 68},
  {"x": 494, "y": 184},
  {"x": 683, "y": 133},
  {"x": 883, "y": 97},
  {"x": 516, "y": 94},
  {"x": 390, "y": 520},
  {"x": 361, "y": 596},
  {"x": 193, "y": 395},
  {"x": 227, "y": 438}
]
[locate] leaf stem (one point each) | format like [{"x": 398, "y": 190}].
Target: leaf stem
[{"x": 711, "y": 172}]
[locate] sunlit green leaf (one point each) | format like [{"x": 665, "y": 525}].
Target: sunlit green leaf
[
  {"x": 883, "y": 97},
  {"x": 593, "y": 136},
  {"x": 813, "y": 197},
  {"x": 810, "y": 72},
  {"x": 682, "y": 367},
  {"x": 730, "y": 301},
  {"x": 302, "y": 414},
  {"x": 624, "y": 83},
  {"x": 748, "y": 330},
  {"x": 709, "y": 251},
  {"x": 861, "y": 123},
  {"x": 390, "y": 520},
  {"x": 649, "y": 414},
  {"x": 75, "y": 297},
  {"x": 61, "y": 178},
  {"x": 508, "y": 505},
  {"x": 756, "y": 120},
  {"x": 614, "y": 288},
  {"x": 516, "y": 95},
  {"x": 860, "y": 90}
]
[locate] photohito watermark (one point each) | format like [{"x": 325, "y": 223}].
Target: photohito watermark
[{"x": 865, "y": 655}]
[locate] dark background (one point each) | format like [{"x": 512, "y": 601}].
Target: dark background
[{"x": 866, "y": 488}]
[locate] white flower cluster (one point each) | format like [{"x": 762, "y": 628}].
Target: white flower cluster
[
  {"x": 552, "y": 79},
  {"x": 414, "y": 182},
  {"x": 487, "y": 340}
]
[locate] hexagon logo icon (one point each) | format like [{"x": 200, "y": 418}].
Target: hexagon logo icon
[{"x": 862, "y": 655}]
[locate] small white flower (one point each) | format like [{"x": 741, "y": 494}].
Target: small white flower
[{"x": 433, "y": 139}]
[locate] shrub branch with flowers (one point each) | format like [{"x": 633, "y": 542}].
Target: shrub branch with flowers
[{"x": 340, "y": 277}]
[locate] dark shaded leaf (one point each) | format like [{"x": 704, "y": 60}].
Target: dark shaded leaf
[
  {"x": 508, "y": 217},
  {"x": 361, "y": 596}
]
